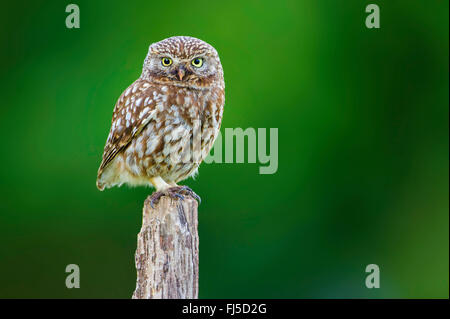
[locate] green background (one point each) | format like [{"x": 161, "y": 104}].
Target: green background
[{"x": 363, "y": 127}]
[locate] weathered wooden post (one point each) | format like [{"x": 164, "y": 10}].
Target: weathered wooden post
[{"x": 167, "y": 250}]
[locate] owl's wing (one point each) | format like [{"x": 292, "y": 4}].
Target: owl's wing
[{"x": 133, "y": 111}]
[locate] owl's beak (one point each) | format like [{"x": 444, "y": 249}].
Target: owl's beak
[{"x": 180, "y": 74}]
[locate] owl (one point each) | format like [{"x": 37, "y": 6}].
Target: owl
[{"x": 165, "y": 123}]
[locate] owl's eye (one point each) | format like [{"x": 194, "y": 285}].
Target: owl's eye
[
  {"x": 166, "y": 61},
  {"x": 197, "y": 62}
]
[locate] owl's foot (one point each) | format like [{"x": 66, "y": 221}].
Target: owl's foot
[
  {"x": 177, "y": 192},
  {"x": 155, "y": 197},
  {"x": 189, "y": 192}
]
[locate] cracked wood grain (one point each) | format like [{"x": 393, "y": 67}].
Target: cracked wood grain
[{"x": 167, "y": 250}]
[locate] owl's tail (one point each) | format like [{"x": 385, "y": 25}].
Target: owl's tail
[
  {"x": 100, "y": 180},
  {"x": 100, "y": 185},
  {"x": 105, "y": 176}
]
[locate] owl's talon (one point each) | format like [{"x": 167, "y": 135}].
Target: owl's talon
[
  {"x": 176, "y": 195},
  {"x": 154, "y": 198}
]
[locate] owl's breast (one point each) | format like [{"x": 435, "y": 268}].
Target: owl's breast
[{"x": 178, "y": 138}]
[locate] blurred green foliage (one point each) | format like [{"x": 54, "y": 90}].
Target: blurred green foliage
[{"x": 363, "y": 147}]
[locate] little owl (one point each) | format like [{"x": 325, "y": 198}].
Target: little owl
[{"x": 165, "y": 123}]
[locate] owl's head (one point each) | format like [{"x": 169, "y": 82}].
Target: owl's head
[{"x": 184, "y": 62}]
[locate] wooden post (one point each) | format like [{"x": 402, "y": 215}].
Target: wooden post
[{"x": 167, "y": 250}]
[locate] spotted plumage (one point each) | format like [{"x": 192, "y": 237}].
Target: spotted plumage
[{"x": 165, "y": 123}]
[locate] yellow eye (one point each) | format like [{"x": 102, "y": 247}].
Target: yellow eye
[
  {"x": 197, "y": 62},
  {"x": 166, "y": 61}
]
